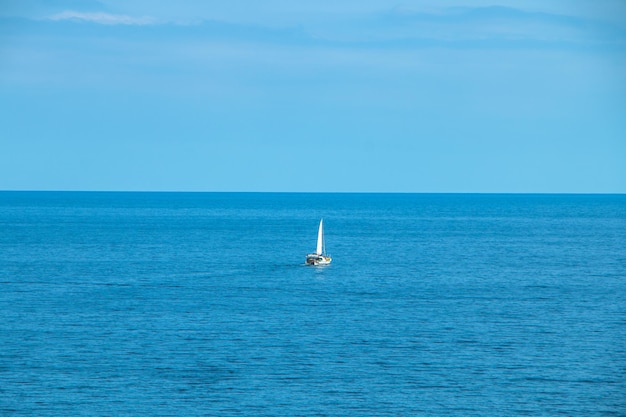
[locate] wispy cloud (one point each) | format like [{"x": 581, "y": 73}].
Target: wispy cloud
[
  {"x": 103, "y": 18},
  {"x": 397, "y": 28}
]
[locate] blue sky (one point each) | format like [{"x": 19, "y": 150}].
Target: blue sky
[{"x": 363, "y": 96}]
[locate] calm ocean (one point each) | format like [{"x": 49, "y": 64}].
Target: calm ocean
[{"x": 199, "y": 304}]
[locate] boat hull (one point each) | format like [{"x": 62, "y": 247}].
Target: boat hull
[{"x": 318, "y": 260}]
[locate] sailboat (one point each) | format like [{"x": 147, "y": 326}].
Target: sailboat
[{"x": 319, "y": 257}]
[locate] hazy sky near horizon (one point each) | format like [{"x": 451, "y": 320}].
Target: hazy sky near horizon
[{"x": 364, "y": 96}]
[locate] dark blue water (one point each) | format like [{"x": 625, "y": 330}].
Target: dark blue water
[{"x": 199, "y": 304}]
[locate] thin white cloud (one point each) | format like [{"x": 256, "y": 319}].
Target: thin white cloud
[{"x": 103, "y": 18}]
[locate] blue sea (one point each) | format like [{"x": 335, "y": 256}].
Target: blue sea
[{"x": 199, "y": 304}]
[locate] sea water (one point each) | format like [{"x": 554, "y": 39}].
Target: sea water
[{"x": 185, "y": 304}]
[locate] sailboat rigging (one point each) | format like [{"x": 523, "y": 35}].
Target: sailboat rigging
[{"x": 319, "y": 257}]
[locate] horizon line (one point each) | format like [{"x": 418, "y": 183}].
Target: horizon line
[{"x": 314, "y": 192}]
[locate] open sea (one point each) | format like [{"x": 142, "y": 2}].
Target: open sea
[{"x": 199, "y": 304}]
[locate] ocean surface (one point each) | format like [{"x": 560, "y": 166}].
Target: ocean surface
[{"x": 199, "y": 304}]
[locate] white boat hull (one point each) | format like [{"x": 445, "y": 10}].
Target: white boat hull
[{"x": 315, "y": 259}]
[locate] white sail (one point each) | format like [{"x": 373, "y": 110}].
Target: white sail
[{"x": 320, "y": 238}]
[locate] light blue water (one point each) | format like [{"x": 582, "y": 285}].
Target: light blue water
[{"x": 199, "y": 304}]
